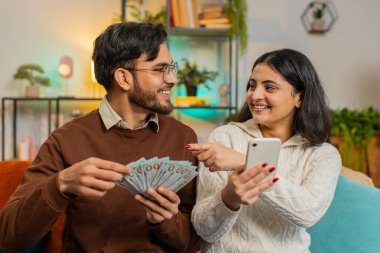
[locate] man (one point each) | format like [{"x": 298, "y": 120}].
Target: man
[{"x": 76, "y": 168}]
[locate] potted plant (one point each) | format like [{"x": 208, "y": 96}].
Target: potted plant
[
  {"x": 27, "y": 71},
  {"x": 192, "y": 76},
  {"x": 318, "y": 24},
  {"x": 139, "y": 15},
  {"x": 357, "y": 135},
  {"x": 236, "y": 11}
]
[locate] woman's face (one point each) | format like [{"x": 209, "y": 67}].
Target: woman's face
[{"x": 271, "y": 99}]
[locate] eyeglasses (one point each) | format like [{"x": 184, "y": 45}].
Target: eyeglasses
[{"x": 168, "y": 69}]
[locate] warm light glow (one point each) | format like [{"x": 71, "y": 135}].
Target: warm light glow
[
  {"x": 93, "y": 72},
  {"x": 64, "y": 70}
]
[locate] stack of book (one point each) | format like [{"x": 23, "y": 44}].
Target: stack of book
[{"x": 214, "y": 17}]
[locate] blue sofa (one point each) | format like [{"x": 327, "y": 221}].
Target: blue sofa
[{"x": 352, "y": 222}]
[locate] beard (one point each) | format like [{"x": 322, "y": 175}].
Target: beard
[{"x": 149, "y": 100}]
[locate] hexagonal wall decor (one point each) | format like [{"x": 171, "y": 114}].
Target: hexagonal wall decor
[{"x": 319, "y": 16}]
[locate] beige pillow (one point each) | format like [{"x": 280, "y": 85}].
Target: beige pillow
[{"x": 357, "y": 176}]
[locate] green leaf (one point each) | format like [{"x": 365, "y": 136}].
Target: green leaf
[{"x": 27, "y": 71}]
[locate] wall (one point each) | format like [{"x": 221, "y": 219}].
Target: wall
[{"x": 347, "y": 58}]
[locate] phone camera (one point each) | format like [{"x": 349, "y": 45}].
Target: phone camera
[{"x": 254, "y": 144}]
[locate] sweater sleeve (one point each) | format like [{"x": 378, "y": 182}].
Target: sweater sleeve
[
  {"x": 210, "y": 216},
  {"x": 36, "y": 204},
  {"x": 305, "y": 204},
  {"x": 179, "y": 232}
]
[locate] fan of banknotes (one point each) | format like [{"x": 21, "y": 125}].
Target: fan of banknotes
[{"x": 157, "y": 172}]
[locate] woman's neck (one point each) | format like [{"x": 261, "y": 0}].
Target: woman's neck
[{"x": 282, "y": 133}]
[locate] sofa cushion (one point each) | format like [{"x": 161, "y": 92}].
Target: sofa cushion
[{"x": 352, "y": 223}]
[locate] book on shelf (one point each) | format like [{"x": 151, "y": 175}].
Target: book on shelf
[
  {"x": 184, "y": 13},
  {"x": 222, "y": 20},
  {"x": 195, "y": 12},
  {"x": 208, "y": 15},
  {"x": 214, "y": 17},
  {"x": 212, "y": 25},
  {"x": 175, "y": 14},
  {"x": 215, "y": 8}
]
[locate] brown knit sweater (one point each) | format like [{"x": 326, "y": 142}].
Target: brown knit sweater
[{"x": 114, "y": 223}]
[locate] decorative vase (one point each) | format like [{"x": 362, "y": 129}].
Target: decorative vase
[
  {"x": 32, "y": 91},
  {"x": 224, "y": 91},
  {"x": 318, "y": 25},
  {"x": 191, "y": 91}
]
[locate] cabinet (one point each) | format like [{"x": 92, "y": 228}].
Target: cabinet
[{"x": 52, "y": 106}]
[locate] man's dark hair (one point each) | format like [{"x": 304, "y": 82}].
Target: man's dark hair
[
  {"x": 120, "y": 45},
  {"x": 312, "y": 120}
]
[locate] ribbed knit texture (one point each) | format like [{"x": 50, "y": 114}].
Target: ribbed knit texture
[{"x": 277, "y": 221}]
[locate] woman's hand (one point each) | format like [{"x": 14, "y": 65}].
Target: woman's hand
[
  {"x": 217, "y": 157},
  {"x": 244, "y": 186}
]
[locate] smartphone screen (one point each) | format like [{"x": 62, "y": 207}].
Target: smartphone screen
[{"x": 261, "y": 150}]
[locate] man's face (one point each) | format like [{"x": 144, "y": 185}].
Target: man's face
[{"x": 150, "y": 91}]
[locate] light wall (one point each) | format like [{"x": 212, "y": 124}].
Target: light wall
[{"x": 347, "y": 57}]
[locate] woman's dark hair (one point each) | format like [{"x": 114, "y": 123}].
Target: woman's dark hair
[
  {"x": 120, "y": 45},
  {"x": 312, "y": 120}
]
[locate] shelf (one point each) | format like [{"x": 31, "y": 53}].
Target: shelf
[
  {"x": 53, "y": 107},
  {"x": 206, "y": 107},
  {"x": 48, "y": 98},
  {"x": 204, "y": 32},
  {"x": 217, "y": 47}
]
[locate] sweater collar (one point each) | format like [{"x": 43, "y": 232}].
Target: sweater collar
[{"x": 110, "y": 118}]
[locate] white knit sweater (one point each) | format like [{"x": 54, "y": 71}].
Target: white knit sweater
[{"x": 277, "y": 221}]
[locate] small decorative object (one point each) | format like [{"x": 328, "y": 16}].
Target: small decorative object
[
  {"x": 224, "y": 91},
  {"x": 191, "y": 76},
  {"x": 27, "y": 71},
  {"x": 26, "y": 150},
  {"x": 76, "y": 113},
  {"x": 319, "y": 16},
  {"x": 318, "y": 24},
  {"x": 65, "y": 69}
]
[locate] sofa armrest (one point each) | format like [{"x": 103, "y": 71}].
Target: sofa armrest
[{"x": 10, "y": 176}]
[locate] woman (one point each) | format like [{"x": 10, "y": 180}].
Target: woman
[{"x": 285, "y": 99}]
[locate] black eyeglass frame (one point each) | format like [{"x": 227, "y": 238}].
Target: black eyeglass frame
[{"x": 169, "y": 68}]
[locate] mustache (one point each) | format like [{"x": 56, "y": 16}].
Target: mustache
[{"x": 168, "y": 86}]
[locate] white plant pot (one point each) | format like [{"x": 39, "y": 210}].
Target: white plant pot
[
  {"x": 32, "y": 91},
  {"x": 318, "y": 25}
]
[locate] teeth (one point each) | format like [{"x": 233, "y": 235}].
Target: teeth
[
  {"x": 165, "y": 92},
  {"x": 260, "y": 107}
]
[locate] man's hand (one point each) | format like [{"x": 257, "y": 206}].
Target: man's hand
[
  {"x": 92, "y": 177},
  {"x": 217, "y": 157},
  {"x": 165, "y": 207}
]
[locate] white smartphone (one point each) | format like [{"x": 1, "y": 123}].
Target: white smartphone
[{"x": 261, "y": 150}]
